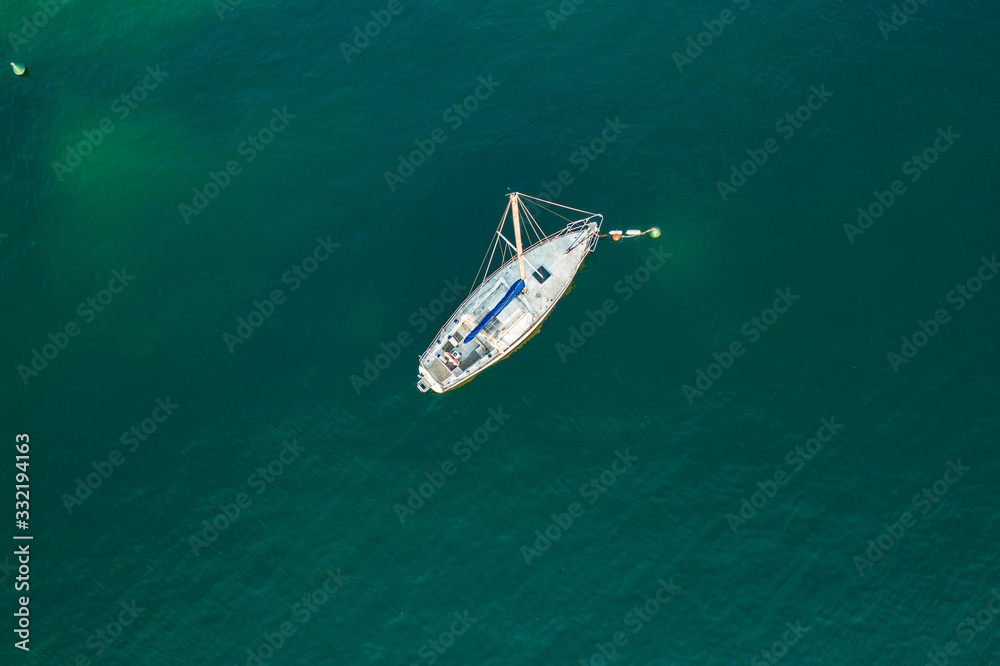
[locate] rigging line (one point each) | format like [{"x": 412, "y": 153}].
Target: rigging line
[
  {"x": 528, "y": 227},
  {"x": 526, "y": 230},
  {"x": 510, "y": 246},
  {"x": 503, "y": 260},
  {"x": 540, "y": 231},
  {"x": 490, "y": 262},
  {"x": 485, "y": 277},
  {"x": 555, "y": 204},
  {"x": 534, "y": 225},
  {"x": 494, "y": 248},
  {"x": 555, "y": 213},
  {"x": 489, "y": 251},
  {"x": 523, "y": 256}
]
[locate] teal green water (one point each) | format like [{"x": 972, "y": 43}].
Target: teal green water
[{"x": 315, "y": 470}]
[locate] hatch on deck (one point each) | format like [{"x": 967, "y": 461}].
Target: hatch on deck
[{"x": 541, "y": 274}]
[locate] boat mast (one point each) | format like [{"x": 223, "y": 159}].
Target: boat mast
[{"x": 517, "y": 232}]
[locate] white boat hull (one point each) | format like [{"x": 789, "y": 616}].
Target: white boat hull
[{"x": 549, "y": 270}]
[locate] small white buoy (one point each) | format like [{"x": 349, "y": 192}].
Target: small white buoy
[{"x": 19, "y": 69}]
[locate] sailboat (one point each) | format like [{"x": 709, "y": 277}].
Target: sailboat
[{"x": 510, "y": 303}]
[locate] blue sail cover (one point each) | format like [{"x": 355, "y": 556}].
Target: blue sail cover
[{"x": 515, "y": 289}]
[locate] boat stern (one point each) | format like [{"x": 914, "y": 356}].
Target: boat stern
[{"x": 426, "y": 382}]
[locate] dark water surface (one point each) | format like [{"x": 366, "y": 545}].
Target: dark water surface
[{"x": 810, "y": 496}]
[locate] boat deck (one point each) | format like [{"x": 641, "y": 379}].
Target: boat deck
[{"x": 549, "y": 269}]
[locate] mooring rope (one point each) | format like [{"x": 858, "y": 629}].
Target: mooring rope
[{"x": 617, "y": 234}]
